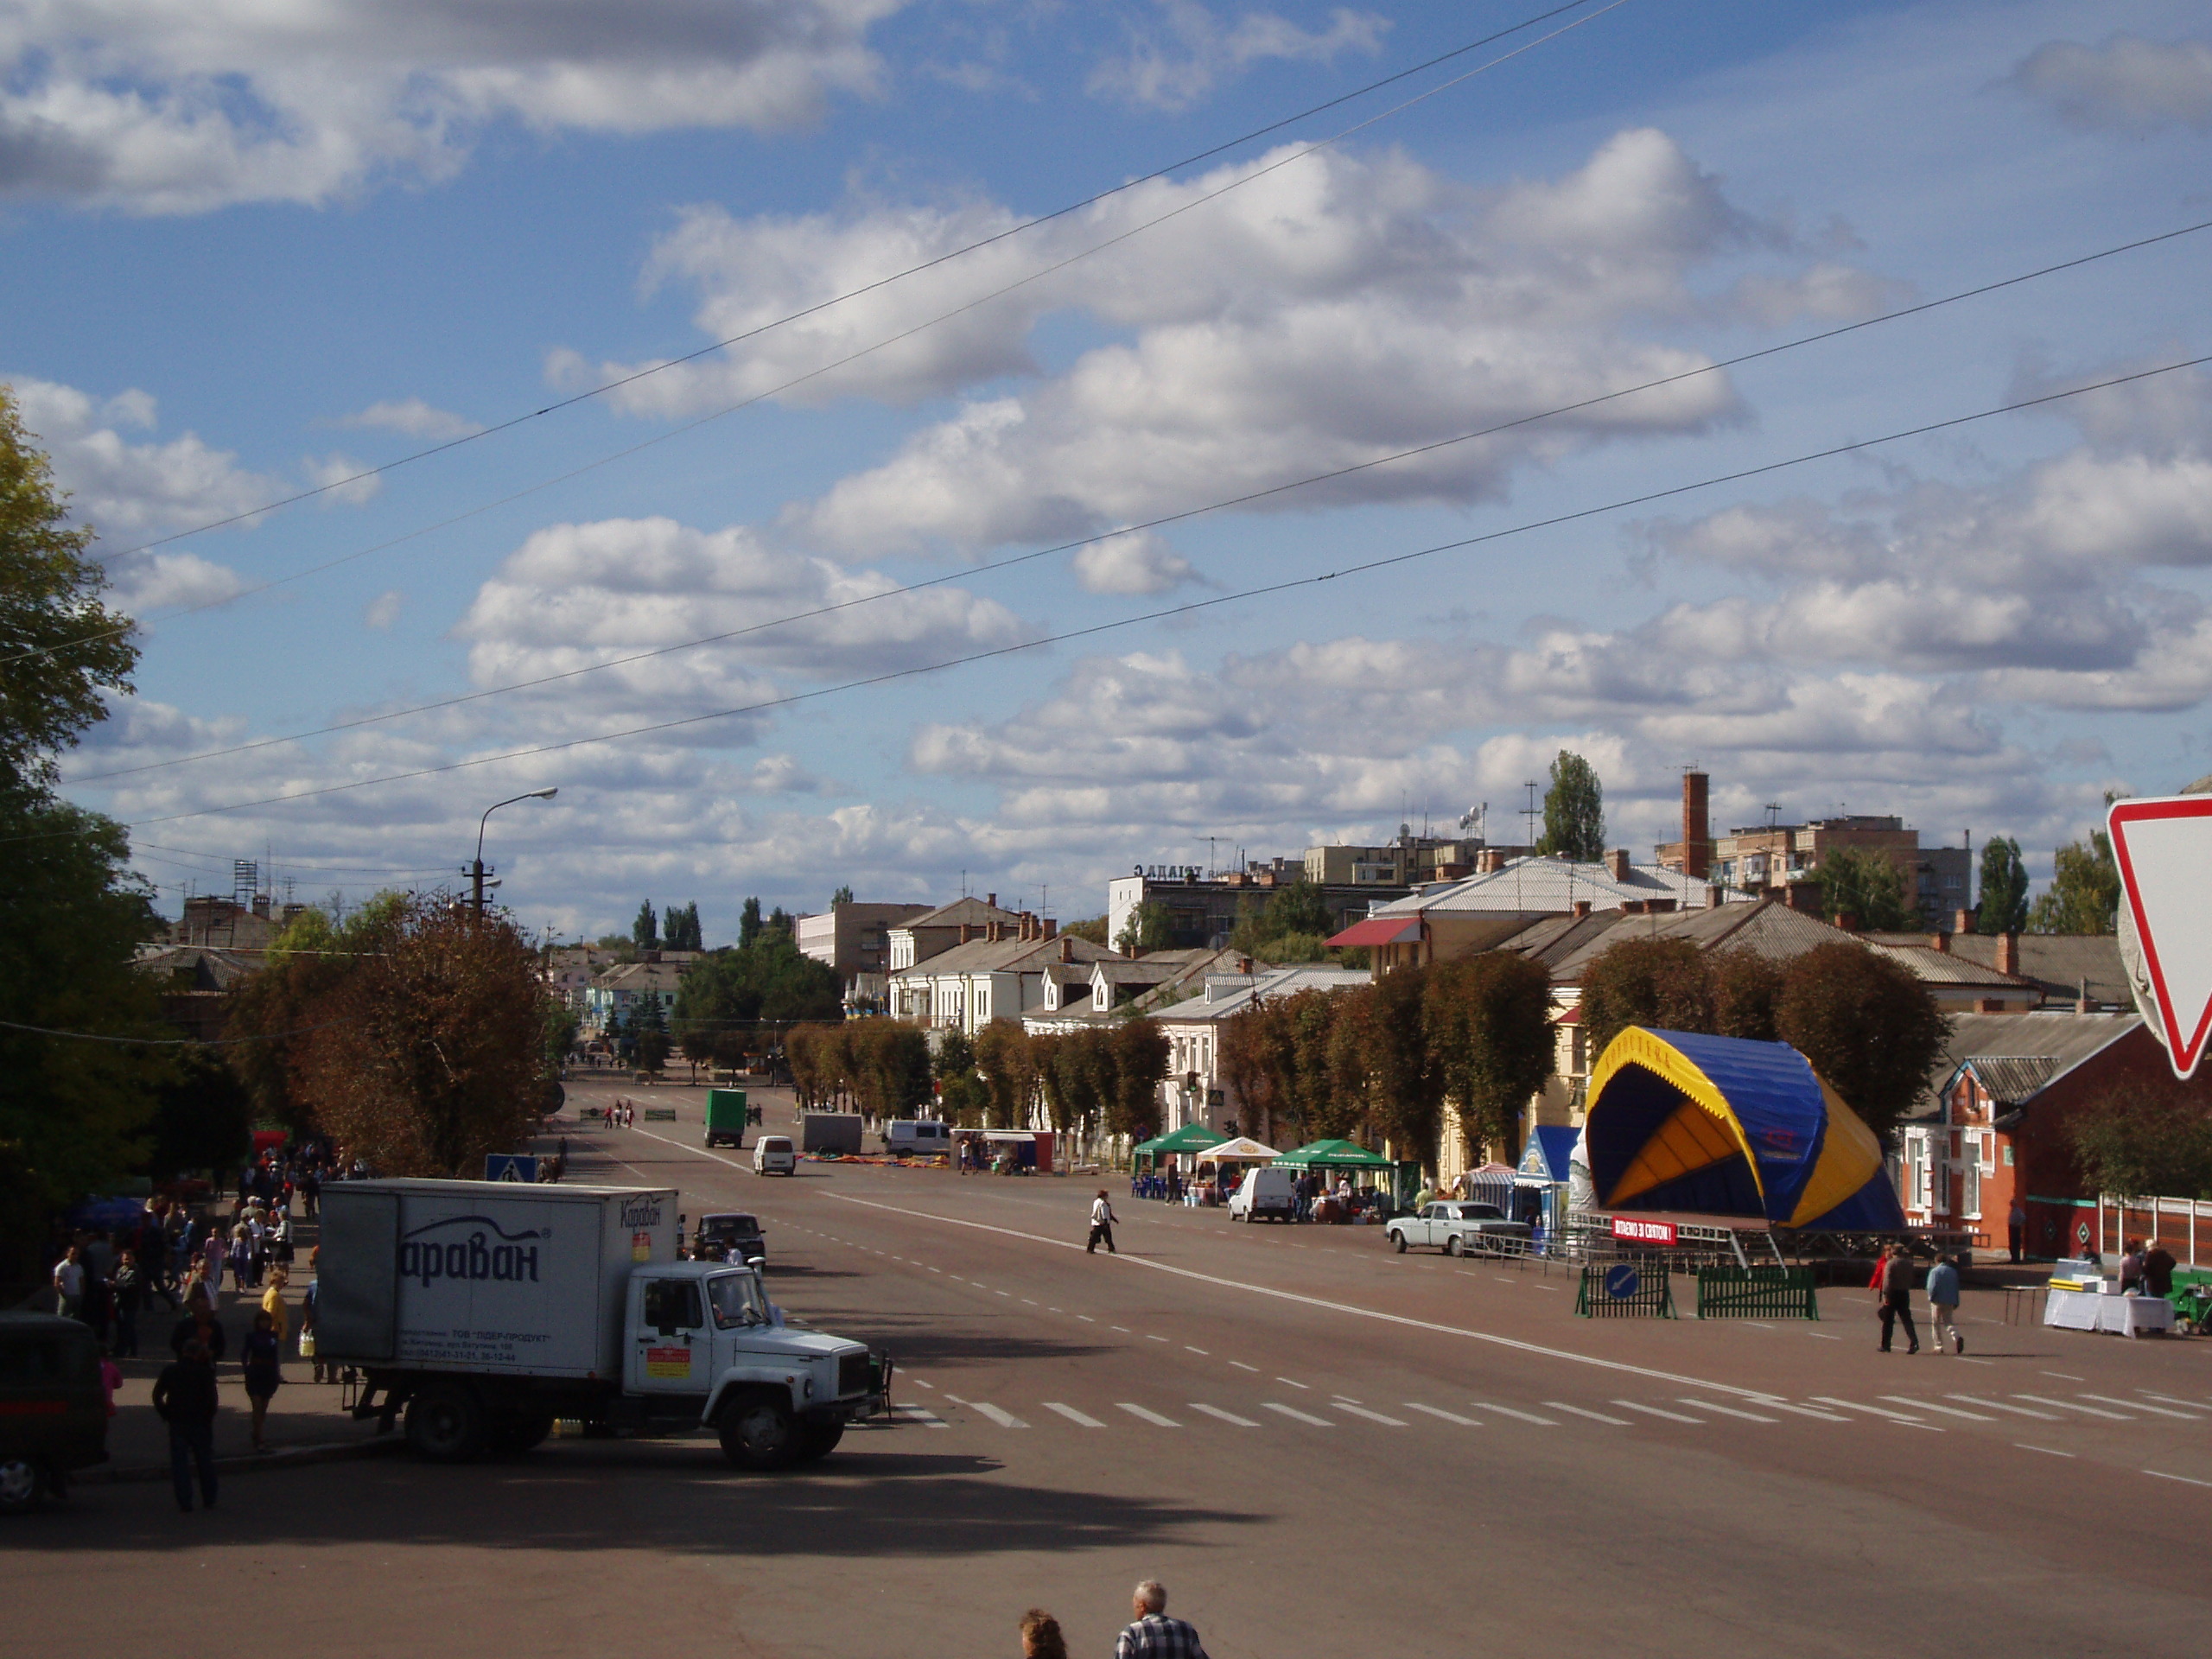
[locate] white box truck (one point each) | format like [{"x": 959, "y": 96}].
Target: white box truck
[{"x": 485, "y": 1311}]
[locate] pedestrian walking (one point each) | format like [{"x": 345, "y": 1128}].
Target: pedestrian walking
[
  {"x": 185, "y": 1399},
  {"x": 2159, "y": 1265},
  {"x": 1041, "y": 1635},
  {"x": 272, "y": 1300},
  {"x": 1102, "y": 1224},
  {"x": 128, "y": 1288},
  {"x": 69, "y": 1284},
  {"x": 1153, "y": 1635},
  {"x": 262, "y": 1356},
  {"x": 2016, "y": 1226},
  {"x": 1943, "y": 1305},
  {"x": 1896, "y": 1282},
  {"x": 199, "y": 1325}
]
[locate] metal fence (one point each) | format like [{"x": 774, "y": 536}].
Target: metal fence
[
  {"x": 1757, "y": 1293},
  {"x": 1625, "y": 1290}
]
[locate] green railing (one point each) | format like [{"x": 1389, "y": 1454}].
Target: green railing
[
  {"x": 1756, "y": 1294},
  {"x": 1625, "y": 1290}
]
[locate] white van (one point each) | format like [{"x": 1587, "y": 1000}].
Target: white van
[
  {"x": 1265, "y": 1194},
  {"x": 915, "y": 1137},
  {"x": 772, "y": 1155}
]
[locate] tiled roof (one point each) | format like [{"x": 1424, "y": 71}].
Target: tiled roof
[
  {"x": 972, "y": 911},
  {"x": 1284, "y": 981},
  {"x": 1540, "y": 884},
  {"x": 1007, "y": 956},
  {"x": 2057, "y": 963},
  {"x": 2011, "y": 1079},
  {"x": 2061, "y": 1041},
  {"x": 1935, "y": 967}
]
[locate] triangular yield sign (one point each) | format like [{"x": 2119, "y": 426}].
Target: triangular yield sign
[{"x": 2163, "y": 849}]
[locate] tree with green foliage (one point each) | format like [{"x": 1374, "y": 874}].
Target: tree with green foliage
[
  {"x": 203, "y": 1118},
  {"x": 748, "y": 923},
  {"x": 1868, "y": 887},
  {"x": 843, "y": 896},
  {"x": 1487, "y": 1021},
  {"x": 1140, "y": 1052},
  {"x": 1092, "y": 928},
  {"x": 1574, "y": 811},
  {"x": 741, "y": 998},
  {"x": 1294, "y": 926},
  {"x": 1148, "y": 927},
  {"x": 2143, "y": 1142},
  {"x": 680, "y": 928},
  {"x": 1403, "y": 1082},
  {"x": 1661, "y": 984},
  {"x": 2003, "y": 907},
  {"x": 648, "y": 1029},
  {"x": 954, "y": 1056},
  {"x": 644, "y": 931},
  {"x": 1870, "y": 1029},
  {"x": 1006, "y": 1062},
  {"x": 2084, "y": 895}
]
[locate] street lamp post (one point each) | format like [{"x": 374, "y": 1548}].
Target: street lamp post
[{"x": 476, "y": 867}]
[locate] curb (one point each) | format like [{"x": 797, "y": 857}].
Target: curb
[{"x": 290, "y": 1457}]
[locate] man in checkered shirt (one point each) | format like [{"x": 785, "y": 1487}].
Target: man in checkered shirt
[{"x": 1155, "y": 1635}]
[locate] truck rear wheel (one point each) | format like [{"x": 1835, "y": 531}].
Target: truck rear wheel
[
  {"x": 512, "y": 1436},
  {"x": 22, "y": 1484},
  {"x": 818, "y": 1441},
  {"x": 445, "y": 1423},
  {"x": 758, "y": 1433}
]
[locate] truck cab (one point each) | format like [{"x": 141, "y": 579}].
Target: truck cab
[{"x": 705, "y": 1346}]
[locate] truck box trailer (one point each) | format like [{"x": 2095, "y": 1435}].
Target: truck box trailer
[
  {"x": 838, "y": 1132},
  {"x": 726, "y": 1117},
  {"x": 485, "y": 1311}
]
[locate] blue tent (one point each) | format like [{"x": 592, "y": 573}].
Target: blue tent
[
  {"x": 1721, "y": 1126},
  {"x": 1545, "y": 1158}
]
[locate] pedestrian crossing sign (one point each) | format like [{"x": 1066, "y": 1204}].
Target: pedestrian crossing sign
[{"x": 518, "y": 1166}]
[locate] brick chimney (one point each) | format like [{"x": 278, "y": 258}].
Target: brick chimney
[
  {"x": 1940, "y": 941},
  {"x": 1715, "y": 896},
  {"x": 2008, "y": 953},
  {"x": 1582, "y": 908},
  {"x": 1616, "y": 861},
  {"x": 1489, "y": 860},
  {"x": 992, "y": 899},
  {"x": 1847, "y": 921},
  {"x": 1243, "y": 964},
  {"x": 966, "y": 931},
  {"x": 1067, "y": 950},
  {"x": 1962, "y": 922},
  {"x": 1051, "y": 929},
  {"x": 1697, "y": 828}
]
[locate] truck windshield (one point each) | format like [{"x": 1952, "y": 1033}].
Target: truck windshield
[{"x": 736, "y": 1299}]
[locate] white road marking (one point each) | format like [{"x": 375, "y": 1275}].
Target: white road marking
[
  {"x": 1296, "y": 1415},
  {"x": 1225, "y": 1416},
  {"x": 1086, "y": 1319},
  {"x": 1196, "y": 1351},
  {"x": 2168, "y": 1398},
  {"x": 1242, "y": 1366},
  {"x": 931, "y": 1387},
  {"x": 1730, "y": 1411},
  {"x": 1654, "y": 1411},
  {"x": 1775, "y": 1403},
  {"x": 1123, "y": 1329},
  {"x": 1448, "y": 1416},
  {"x": 1004, "y": 1418},
  {"x": 1371, "y": 1416},
  {"x": 927, "y": 1418},
  {"x": 1998, "y": 1405},
  {"x": 2069, "y": 1405},
  {"x": 1877, "y": 1411},
  {"x": 1002, "y": 1293},
  {"x": 2160, "y": 1474},
  {"x": 2024, "y": 1446},
  {"x": 1524, "y": 1417},
  {"x": 2137, "y": 1405},
  {"x": 1028, "y": 1302},
  {"x": 2066, "y": 1376},
  {"x": 1595, "y": 1416},
  {"x": 1149, "y": 1337},
  {"x": 1292, "y": 1384},
  {"x": 1929, "y": 1405},
  {"x": 1151, "y": 1417},
  {"x": 1080, "y": 1418},
  {"x": 1823, "y": 1336}
]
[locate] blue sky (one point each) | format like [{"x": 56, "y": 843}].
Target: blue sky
[{"x": 256, "y": 247}]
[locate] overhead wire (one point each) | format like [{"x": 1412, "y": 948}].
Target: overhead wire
[
  {"x": 694, "y": 424},
  {"x": 990, "y": 567},
  {"x": 1187, "y": 608}
]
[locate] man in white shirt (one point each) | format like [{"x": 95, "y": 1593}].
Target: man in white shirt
[
  {"x": 69, "y": 1285},
  {"x": 1101, "y": 1225}
]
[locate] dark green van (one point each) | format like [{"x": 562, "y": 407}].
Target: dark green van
[{"x": 53, "y": 1409}]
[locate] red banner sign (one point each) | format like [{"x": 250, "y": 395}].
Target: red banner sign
[{"x": 1644, "y": 1232}]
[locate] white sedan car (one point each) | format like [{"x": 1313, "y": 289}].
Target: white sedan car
[{"x": 1458, "y": 1227}]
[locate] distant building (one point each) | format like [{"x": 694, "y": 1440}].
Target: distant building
[
  {"x": 622, "y": 989},
  {"x": 229, "y": 924},
  {"x": 854, "y": 941},
  {"x": 998, "y": 972},
  {"x": 916, "y": 938},
  {"x": 1195, "y": 1090}
]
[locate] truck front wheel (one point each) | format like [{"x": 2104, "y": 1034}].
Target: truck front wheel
[
  {"x": 22, "y": 1484},
  {"x": 445, "y": 1423},
  {"x": 818, "y": 1441},
  {"x": 758, "y": 1433}
]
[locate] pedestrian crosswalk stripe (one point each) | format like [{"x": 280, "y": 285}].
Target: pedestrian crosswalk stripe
[
  {"x": 1597, "y": 1416},
  {"x": 1080, "y": 1418},
  {"x": 1448, "y": 1416},
  {"x": 1730, "y": 1411},
  {"x": 1145, "y": 1416},
  {"x": 1508, "y": 1411},
  {"x": 927, "y": 1418},
  {"x": 2170, "y": 1400},
  {"x": 1773, "y": 1402},
  {"x": 1296, "y": 1415},
  {"x": 2071, "y": 1405},
  {"x": 1657, "y": 1411},
  {"x": 2137, "y": 1405},
  {"x": 1371, "y": 1416},
  {"x": 1225, "y": 1416},
  {"x": 1003, "y": 1418},
  {"x": 1998, "y": 1405},
  {"x": 1882, "y": 1412},
  {"x": 1242, "y": 1366},
  {"x": 1929, "y": 1405}
]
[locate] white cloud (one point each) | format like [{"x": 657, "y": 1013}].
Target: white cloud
[
  {"x": 1136, "y": 563},
  {"x": 413, "y": 416},
  {"x": 1174, "y": 65},
  {"x": 2128, "y": 84},
  {"x": 125, "y": 489},
  {"x": 384, "y": 610},
  {"x": 154, "y": 581},
  {"x": 341, "y": 478},
  {"x": 184, "y": 105}
]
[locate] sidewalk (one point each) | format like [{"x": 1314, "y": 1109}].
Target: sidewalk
[{"x": 305, "y": 1423}]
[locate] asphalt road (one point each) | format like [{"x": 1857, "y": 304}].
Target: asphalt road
[{"x": 1315, "y": 1443}]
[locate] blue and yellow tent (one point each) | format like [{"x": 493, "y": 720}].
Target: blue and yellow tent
[{"x": 1721, "y": 1126}]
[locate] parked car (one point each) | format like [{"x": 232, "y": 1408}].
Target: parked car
[
  {"x": 772, "y": 1155},
  {"x": 1265, "y": 1194},
  {"x": 53, "y": 1409},
  {"x": 918, "y": 1137},
  {"x": 730, "y": 1237},
  {"x": 1456, "y": 1226}
]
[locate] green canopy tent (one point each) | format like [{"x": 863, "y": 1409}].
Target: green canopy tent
[
  {"x": 1191, "y": 1138},
  {"x": 1333, "y": 1154}
]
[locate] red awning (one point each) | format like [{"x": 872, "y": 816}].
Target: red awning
[
  {"x": 1378, "y": 929},
  {"x": 1571, "y": 1017}
]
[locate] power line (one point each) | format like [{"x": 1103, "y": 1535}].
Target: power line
[
  {"x": 170, "y": 1042},
  {"x": 991, "y": 566},
  {"x": 798, "y": 380},
  {"x": 1189, "y": 607}
]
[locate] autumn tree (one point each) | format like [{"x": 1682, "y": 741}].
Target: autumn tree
[
  {"x": 1137, "y": 1052},
  {"x": 1870, "y": 1029},
  {"x": 1404, "y": 1084},
  {"x": 1008, "y": 1070},
  {"x": 1257, "y": 1065},
  {"x": 1868, "y": 886},
  {"x": 429, "y": 1047},
  {"x": 1660, "y": 984},
  {"x": 2147, "y": 1141},
  {"x": 1574, "y": 811},
  {"x": 1488, "y": 1020},
  {"x": 1746, "y": 990}
]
